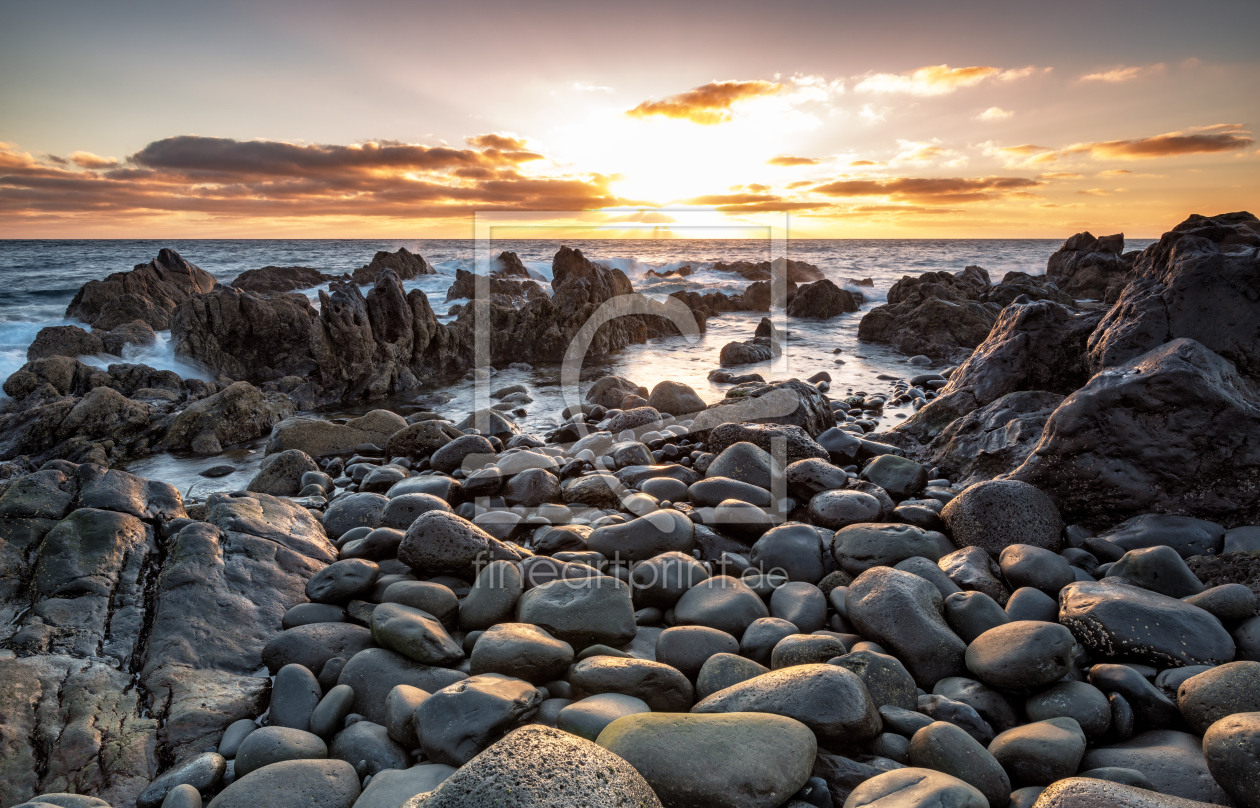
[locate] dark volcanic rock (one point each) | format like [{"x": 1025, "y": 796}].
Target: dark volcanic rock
[
  {"x": 149, "y": 292},
  {"x": 405, "y": 264},
  {"x": 1176, "y": 430},
  {"x": 791, "y": 403},
  {"x": 821, "y": 300},
  {"x": 1198, "y": 282},
  {"x": 937, "y": 314},
  {"x": 64, "y": 340},
  {"x": 273, "y": 280},
  {"x": 1087, "y": 267}
]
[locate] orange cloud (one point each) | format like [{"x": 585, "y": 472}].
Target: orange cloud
[
  {"x": 1122, "y": 73},
  {"x": 504, "y": 141},
  {"x": 1093, "y": 192},
  {"x": 931, "y": 190},
  {"x": 994, "y": 114},
  {"x": 785, "y": 160},
  {"x": 864, "y": 163},
  {"x": 707, "y": 104},
  {"x": 1061, "y": 175},
  {"x": 84, "y": 159},
  {"x": 937, "y": 79},
  {"x": 1221, "y": 137}
]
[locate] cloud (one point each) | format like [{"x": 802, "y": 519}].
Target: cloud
[
  {"x": 707, "y": 104},
  {"x": 505, "y": 141},
  {"x": 1114, "y": 172},
  {"x": 1061, "y": 175},
  {"x": 1093, "y": 192},
  {"x": 1220, "y": 137},
  {"x": 866, "y": 163},
  {"x": 785, "y": 160},
  {"x": 84, "y": 159},
  {"x": 872, "y": 115},
  {"x": 586, "y": 87},
  {"x": 994, "y": 114},
  {"x": 899, "y": 209},
  {"x": 936, "y": 79},
  {"x": 799, "y": 184},
  {"x": 731, "y": 199},
  {"x": 930, "y": 190},
  {"x": 1122, "y": 73},
  {"x": 916, "y": 151},
  {"x": 271, "y": 180}
]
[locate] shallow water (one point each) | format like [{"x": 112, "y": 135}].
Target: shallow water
[{"x": 39, "y": 278}]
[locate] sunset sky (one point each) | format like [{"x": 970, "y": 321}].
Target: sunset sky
[{"x": 399, "y": 120}]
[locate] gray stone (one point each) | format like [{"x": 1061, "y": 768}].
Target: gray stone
[
  {"x": 721, "y": 671},
  {"x": 840, "y": 509},
  {"x": 354, "y": 510},
  {"x": 294, "y": 784},
  {"x": 761, "y": 636},
  {"x": 1159, "y": 569},
  {"x": 1079, "y": 700},
  {"x": 858, "y": 548},
  {"x": 901, "y": 477},
  {"x": 974, "y": 570},
  {"x": 943, "y": 747},
  {"x": 588, "y": 717},
  {"x": 745, "y": 462},
  {"x": 971, "y": 614},
  {"x": 664, "y": 688},
  {"x": 1173, "y": 761},
  {"x": 996, "y": 514},
  {"x": 687, "y": 648},
  {"x": 886, "y": 679},
  {"x": 1039, "y": 753},
  {"x": 294, "y": 696},
  {"x": 203, "y": 773},
  {"x": 440, "y": 543},
  {"x": 581, "y": 612},
  {"x": 911, "y": 787},
  {"x": 520, "y": 650},
  {"x": 268, "y": 745},
  {"x": 492, "y": 597},
  {"x": 720, "y": 602},
  {"x": 373, "y": 673},
  {"x": 404, "y": 509},
  {"x": 342, "y": 581},
  {"x": 368, "y": 748},
  {"x": 460, "y": 720},
  {"x": 1029, "y": 565},
  {"x": 640, "y": 539},
  {"x": 415, "y": 634},
  {"x": 1218, "y": 692},
  {"x": 400, "y": 711},
  {"x": 331, "y": 712},
  {"x": 1231, "y": 747},
  {"x": 1021, "y": 655},
  {"x": 391, "y": 788}
]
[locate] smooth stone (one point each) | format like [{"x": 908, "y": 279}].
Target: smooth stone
[
  {"x": 1173, "y": 761},
  {"x": 801, "y": 604},
  {"x": 912, "y": 787},
  {"x": 327, "y": 718},
  {"x": 549, "y": 711},
  {"x": 995, "y": 514},
  {"x": 293, "y": 784},
  {"x": 886, "y": 679},
  {"x": 687, "y": 648},
  {"x": 431, "y": 598},
  {"x": 1079, "y": 700},
  {"x": 441, "y": 543},
  {"x": 236, "y": 732},
  {"x": 493, "y": 596},
  {"x": 304, "y": 614},
  {"x": 712, "y": 491},
  {"x": 1231, "y": 747},
  {"x": 588, "y": 718},
  {"x": 1159, "y": 569},
  {"x": 794, "y": 549},
  {"x": 541, "y": 767},
  {"x": 203, "y": 773},
  {"x": 805, "y": 649},
  {"x": 415, "y": 634},
  {"x": 1091, "y": 792},
  {"x": 1153, "y": 708},
  {"x": 294, "y": 695},
  {"x": 901, "y": 721},
  {"x": 1218, "y": 692},
  {"x": 268, "y": 745},
  {"x": 354, "y": 510},
  {"x": 745, "y": 462},
  {"x": 963, "y": 716},
  {"x": 181, "y": 796},
  {"x": 1028, "y": 565},
  {"x": 458, "y": 721},
  {"x": 970, "y": 614},
  {"x": 664, "y": 688},
  {"x": 944, "y": 747},
  {"x": 929, "y": 570},
  {"x": 1124, "y": 620},
  {"x": 902, "y": 612},
  {"x": 660, "y": 581},
  {"x": 376, "y": 671},
  {"x": 743, "y": 759},
  {"x": 740, "y": 520},
  {"x": 974, "y": 570},
  {"x": 892, "y": 746},
  {"x": 391, "y": 788},
  {"x": 342, "y": 581},
  {"x": 761, "y": 636},
  {"x": 404, "y": 509},
  {"x": 1184, "y": 534},
  {"x": 989, "y": 704},
  {"x": 838, "y": 509},
  {"x": 1169, "y": 680},
  {"x": 721, "y": 671},
  {"x": 811, "y": 476},
  {"x": 1244, "y": 539},
  {"x": 400, "y": 711},
  {"x": 581, "y": 612},
  {"x": 720, "y": 602},
  {"x": 521, "y": 650},
  {"x": 830, "y": 700},
  {"x": 1229, "y": 603},
  {"x": 452, "y": 455},
  {"x": 1115, "y": 774},
  {"x": 1027, "y": 603},
  {"x": 378, "y": 545},
  {"x": 642, "y": 538},
  {"x": 665, "y": 489},
  {"x": 1021, "y": 655},
  {"x": 858, "y": 548},
  {"x": 368, "y": 748},
  {"x": 1039, "y": 753}
]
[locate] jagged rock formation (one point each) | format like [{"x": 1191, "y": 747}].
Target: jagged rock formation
[
  {"x": 138, "y": 630},
  {"x": 149, "y": 292},
  {"x": 405, "y": 264},
  {"x": 1090, "y": 268},
  {"x": 821, "y": 300},
  {"x": 797, "y": 271},
  {"x": 503, "y": 291},
  {"x": 789, "y": 403},
  {"x": 273, "y": 280}
]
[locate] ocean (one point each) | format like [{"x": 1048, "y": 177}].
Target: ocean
[{"x": 39, "y": 278}]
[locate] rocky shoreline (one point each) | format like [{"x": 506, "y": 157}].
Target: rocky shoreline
[{"x": 1039, "y": 589}]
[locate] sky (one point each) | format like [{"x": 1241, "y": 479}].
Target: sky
[{"x": 404, "y": 119}]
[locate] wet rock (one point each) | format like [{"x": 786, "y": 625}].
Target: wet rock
[
  {"x": 581, "y": 613},
  {"x": 640, "y": 539},
  {"x": 414, "y": 634},
  {"x": 460, "y": 720},
  {"x": 786, "y": 403},
  {"x": 438, "y": 542},
  {"x": 858, "y": 548},
  {"x": 1086, "y": 267},
  {"x": 943, "y": 747},
  {"x": 675, "y": 398},
  {"x": 912, "y": 786},
  {"x": 715, "y": 490},
  {"x": 663, "y": 687},
  {"x": 821, "y": 300},
  {"x": 1219, "y": 692},
  {"x": 238, "y": 413},
  {"x": 319, "y": 438},
  {"x": 1231, "y": 747},
  {"x": 368, "y": 748},
  {"x": 521, "y": 650},
  {"x": 277, "y": 280},
  {"x": 1125, "y": 620},
  {"x": 150, "y": 292},
  {"x": 901, "y": 612},
  {"x": 313, "y": 783},
  {"x": 64, "y": 340},
  {"x": 423, "y": 438},
  {"x": 374, "y": 672},
  {"x": 1175, "y": 464},
  {"x": 269, "y": 745},
  {"x": 720, "y": 602},
  {"x": 830, "y": 700},
  {"x": 1039, "y": 753},
  {"x": 1021, "y": 655},
  {"x": 453, "y": 454},
  {"x": 741, "y": 759},
  {"x": 281, "y": 474},
  {"x": 1173, "y": 761},
  {"x": 538, "y": 766},
  {"x": 994, "y": 515}
]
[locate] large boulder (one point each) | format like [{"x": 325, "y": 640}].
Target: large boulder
[
  {"x": 318, "y": 437},
  {"x": 938, "y": 314},
  {"x": 1176, "y": 430},
  {"x": 821, "y": 300},
  {"x": 238, "y": 413},
  {"x": 791, "y": 403},
  {"x": 64, "y": 340},
  {"x": 1087, "y": 267},
  {"x": 273, "y": 280},
  {"x": 1198, "y": 282},
  {"x": 149, "y": 292},
  {"x": 404, "y": 263}
]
